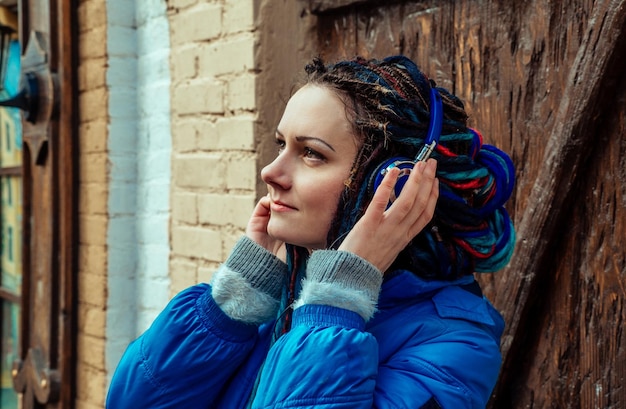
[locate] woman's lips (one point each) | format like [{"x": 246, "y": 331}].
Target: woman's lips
[{"x": 276, "y": 206}]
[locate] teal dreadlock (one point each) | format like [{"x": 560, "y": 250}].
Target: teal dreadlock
[{"x": 388, "y": 103}]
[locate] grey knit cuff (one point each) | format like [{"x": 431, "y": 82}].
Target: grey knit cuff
[
  {"x": 341, "y": 279},
  {"x": 247, "y": 287},
  {"x": 263, "y": 270}
]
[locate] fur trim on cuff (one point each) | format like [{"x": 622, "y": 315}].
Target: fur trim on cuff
[
  {"x": 240, "y": 300},
  {"x": 337, "y": 295}
]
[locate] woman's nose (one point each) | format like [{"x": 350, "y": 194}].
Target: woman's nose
[{"x": 276, "y": 174}]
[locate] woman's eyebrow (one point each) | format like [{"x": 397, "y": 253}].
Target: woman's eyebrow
[{"x": 303, "y": 138}]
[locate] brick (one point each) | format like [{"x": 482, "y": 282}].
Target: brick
[
  {"x": 180, "y": 4},
  {"x": 183, "y": 274},
  {"x": 196, "y": 242},
  {"x": 238, "y": 16},
  {"x": 122, "y": 260},
  {"x": 241, "y": 93},
  {"x": 92, "y": 320},
  {"x": 93, "y": 198},
  {"x": 155, "y": 256},
  {"x": 229, "y": 238},
  {"x": 95, "y": 348},
  {"x": 241, "y": 173},
  {"x": 199, "y": 171},
  {"x": 123, "y": 167},
  {"x": 121, "y": 199},
  {"x": 151, "y": 305},
  {"x": 94, "y": 167},
  {"x": 221, "y": 209},
  {"x": 186, "y": 133},
  {"x": 121, "y": 13},
  {"x": 200, "y": 23},
  {"x": 92, "y": 137},
  {"x": 122, "y": 137},
  {"x": 122, "y": 41},
  {"x": 93, "y": 104},
  {"x": 123, "y": 104},
  {"x": 150, "y": 10},
  {"x": 92, "y": 258},
  {"x": 205, "y": 274},
  {"x": 121, "y": 237},
  {"x": 199, "y": 96},
  {"x": 122, "y": 72},
  {"x": 82, "y": 404},
  {"x": 153, "y": 197},
  {"x": 184, "y": 62},
  {"x": 91, "y": 385},
  {"x": 184, "y": 208},
  {"x": 122, "y": 312},
  {"x": 232, "y": 133},
  {"x": 155, "y": 165},
  {"x": 92, "y": 74},
  {"x": 92, "y": 289},
  {"x": 93, "y": 230},
  {"x": 155, "y": 133},
  {"x": 91, "y": 15},
  {"x": 153, "y": 68},
  {"x": 93, "y": 43},
  {"x": 228, "y": 57}
]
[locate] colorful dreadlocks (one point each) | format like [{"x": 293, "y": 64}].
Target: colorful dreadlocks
[{"x": 388, "y": 102}]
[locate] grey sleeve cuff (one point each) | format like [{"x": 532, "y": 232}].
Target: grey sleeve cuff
[
  {"x": 341, "y": 279},
  {"x": 248, "y": 286}
]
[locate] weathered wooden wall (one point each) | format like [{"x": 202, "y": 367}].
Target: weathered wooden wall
[{"x": 542, "y": 80}]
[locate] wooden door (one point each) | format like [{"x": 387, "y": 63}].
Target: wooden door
[
  {"x": 544, "y": 81},
  {"x": 44, "y": 372}
]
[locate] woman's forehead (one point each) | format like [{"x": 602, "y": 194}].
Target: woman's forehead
[{"x": 317, "y": 112}]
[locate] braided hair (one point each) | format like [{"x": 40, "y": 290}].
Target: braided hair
[{"x": 388, "y": 104}]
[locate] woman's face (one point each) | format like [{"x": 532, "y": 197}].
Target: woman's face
[{"x": 316, "y": 150}]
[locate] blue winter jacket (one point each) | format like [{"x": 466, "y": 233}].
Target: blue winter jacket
[{"x": 431, "y": 344}]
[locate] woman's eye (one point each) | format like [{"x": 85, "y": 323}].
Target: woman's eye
[
  {"x": 280, "y": 144},
  {"x": 312, "y": 154}
]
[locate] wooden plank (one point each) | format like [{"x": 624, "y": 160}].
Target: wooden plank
[
  {"x": 326, "y": 6},
  {"x": 569, "y": 143},
  {"x": 576, "y": 354}
]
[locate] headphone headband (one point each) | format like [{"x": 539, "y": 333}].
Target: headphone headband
[{"x": 434, "y": 126}]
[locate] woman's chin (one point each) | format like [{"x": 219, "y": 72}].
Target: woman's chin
[
  {"x": 278, "y": 234},
  {"x": 289, "y": 237},
  {"x": 287, "y": 234}
]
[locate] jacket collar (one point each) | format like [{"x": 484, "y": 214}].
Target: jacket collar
[{"x": 403, "y": 285}]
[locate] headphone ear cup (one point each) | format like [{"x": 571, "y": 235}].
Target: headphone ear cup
[{"x": 404, "y": 164}]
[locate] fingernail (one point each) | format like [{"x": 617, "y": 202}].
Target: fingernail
[{"x": 432, "y": 164}]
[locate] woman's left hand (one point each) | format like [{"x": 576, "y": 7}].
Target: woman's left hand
[{"x": 382, "y": 233}]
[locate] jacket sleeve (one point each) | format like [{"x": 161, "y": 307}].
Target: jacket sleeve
[
  {"x": 194, "y": 346},
  {"x": 175, "y": 362},
  {"x": 328, "y": 360}
]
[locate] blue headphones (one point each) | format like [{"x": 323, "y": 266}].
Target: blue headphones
[{"x": 405, "y": 164}]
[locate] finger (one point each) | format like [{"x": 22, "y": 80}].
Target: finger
[
  {"x": 262, "y": 207},
  {"x": 425, "y": 185},
  {"x": 414, "y": 195},
  {"x": 383, "y": 192},
  {"x": 428, "y": 212}
]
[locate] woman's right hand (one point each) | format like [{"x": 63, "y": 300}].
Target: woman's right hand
[
  {"x": 257, "y": 227},
  {"x": 383, "y": 232}
]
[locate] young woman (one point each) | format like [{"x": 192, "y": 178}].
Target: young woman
[{"x": 353, "y": 286}]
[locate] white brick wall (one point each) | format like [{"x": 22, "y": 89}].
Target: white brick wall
[{"x": 139, "y": 146}]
